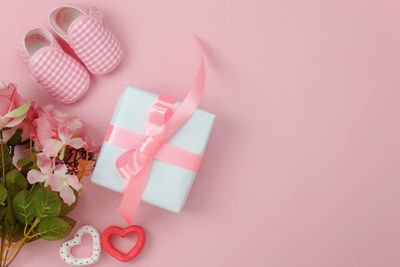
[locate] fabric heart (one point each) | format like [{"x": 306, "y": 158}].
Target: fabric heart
[
  {"x": 65, "y": 249},
  {"x": 114, "y": 230}
]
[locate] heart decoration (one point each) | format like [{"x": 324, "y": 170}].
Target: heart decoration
[
  {"x": 65, "y": 249},
  {"x": 114, "y": 230}
]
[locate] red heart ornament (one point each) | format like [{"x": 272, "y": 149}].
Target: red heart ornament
[{"x": 114, "y": 230}]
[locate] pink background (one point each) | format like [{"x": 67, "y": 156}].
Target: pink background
[{"x": 302, "y": 167}]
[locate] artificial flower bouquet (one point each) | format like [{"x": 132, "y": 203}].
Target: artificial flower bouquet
[{"x": 44, "y": 154}]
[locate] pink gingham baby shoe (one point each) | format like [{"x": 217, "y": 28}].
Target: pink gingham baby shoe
[
  {"x": 83, "y": 30},
  {"x": 58, "y": 73}
]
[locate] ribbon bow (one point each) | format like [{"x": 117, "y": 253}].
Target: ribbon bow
[
  {"x": 134, "y": 164},
  {"x": 133, "y": 161}
]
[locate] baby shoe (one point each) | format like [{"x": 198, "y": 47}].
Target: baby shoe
[
  {"x": 58, "y": 73},
  {"x": 83, "y": 30}
]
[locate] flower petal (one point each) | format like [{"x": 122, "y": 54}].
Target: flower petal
[
  {"x": 44, "y": 129},
  {"x": 4, "y": 84},
  {"x": 26, "y": 131},
  {"x": 75, "y": 124},
  {"x": 15, "y": 122},
  {"x": 77, "y": 143},
  {"x": 55, "y": 113},
  {"x": 44, "y": 163},
  {"x": 5, "y": 103},
  {"x": 52, "y": 147},
  {"x": 67, "y": 194},
  {"x": 3, "y": 121},
  {"x": 65, "y": 134},
  {"x": 7, "y": 134},
  {"x": 56, "y": 183},
  {"x": 35, "y": 176},
  {"x": 73, "y": 181},
  {"x": 61, "y": 170}
]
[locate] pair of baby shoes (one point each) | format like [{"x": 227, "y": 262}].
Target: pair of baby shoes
[{"x": 63, "y": 77}]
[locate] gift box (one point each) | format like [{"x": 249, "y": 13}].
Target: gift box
[{"x": 168, "y": 184}]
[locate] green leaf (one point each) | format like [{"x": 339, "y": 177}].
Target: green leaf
[
  {"x": 18, "y": 112},
  {"x": 3, "y": 211},
  {"x": 33, "y": 187},
  {"x": 12, "y": 228},
  {"x": 25, "y": 165},
  {"x": 22, "y": 162},
  {"x": 3, "y": 194},
  {"x": 26, "y": 169},
  {"x": 13, "y": 190},
  {"x": 15, "y": 139},
  {"x": 15, "y": 182},
  {"x": 46, "y": 203},
  {"x": 65, "y": 209},
  {"x": 54, "y": 228},
  {"x": 10, "y": 217},
  {"x": 17, "y": 232},
  {"x": 70, "y": 221},
  {"x": 15, "y": 177},
  {"x": 23, "y": 207}
]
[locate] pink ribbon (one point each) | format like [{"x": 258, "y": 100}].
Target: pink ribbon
[{"x": 134, "y": 164}]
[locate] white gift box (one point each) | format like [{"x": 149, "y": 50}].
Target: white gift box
[{"x": 168, "y": 185}]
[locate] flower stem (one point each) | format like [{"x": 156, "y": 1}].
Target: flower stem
[
  {"x": 3, "y": 162},
  {"x": 23, "y": 243},
  {"x": 16, "y": 253},
  {"x": 7, "y": 251},
  {"x": 62, "y": 153},
  {"x": 1, "y": 251}
]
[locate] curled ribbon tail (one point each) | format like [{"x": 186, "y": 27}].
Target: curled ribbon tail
[{"x": 131, "y": 195}]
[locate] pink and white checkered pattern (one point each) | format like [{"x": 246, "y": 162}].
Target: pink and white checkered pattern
[
  {"x": 59, "y": 74},
  {"x": 95, "y": 45}
]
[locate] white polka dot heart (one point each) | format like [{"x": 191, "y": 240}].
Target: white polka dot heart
[{"x": 65, "y": 249}]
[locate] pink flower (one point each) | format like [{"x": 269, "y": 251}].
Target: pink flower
[
  {"x": 46, "y": 170},
  {"x": 25, "y": 126},
  {"x": 49, "y": 120},
  {"x": 62, "y": 182},
  {"x": 52, "y": 146},
  {"x": 64, "y": 120},
  {"x": 13, "y": 108},
  {"x": 44, "y": 126},
  {"x": 93, "y": 145}
]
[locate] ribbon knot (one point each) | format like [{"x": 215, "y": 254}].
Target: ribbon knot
[{"x": 150, "y": 146}]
